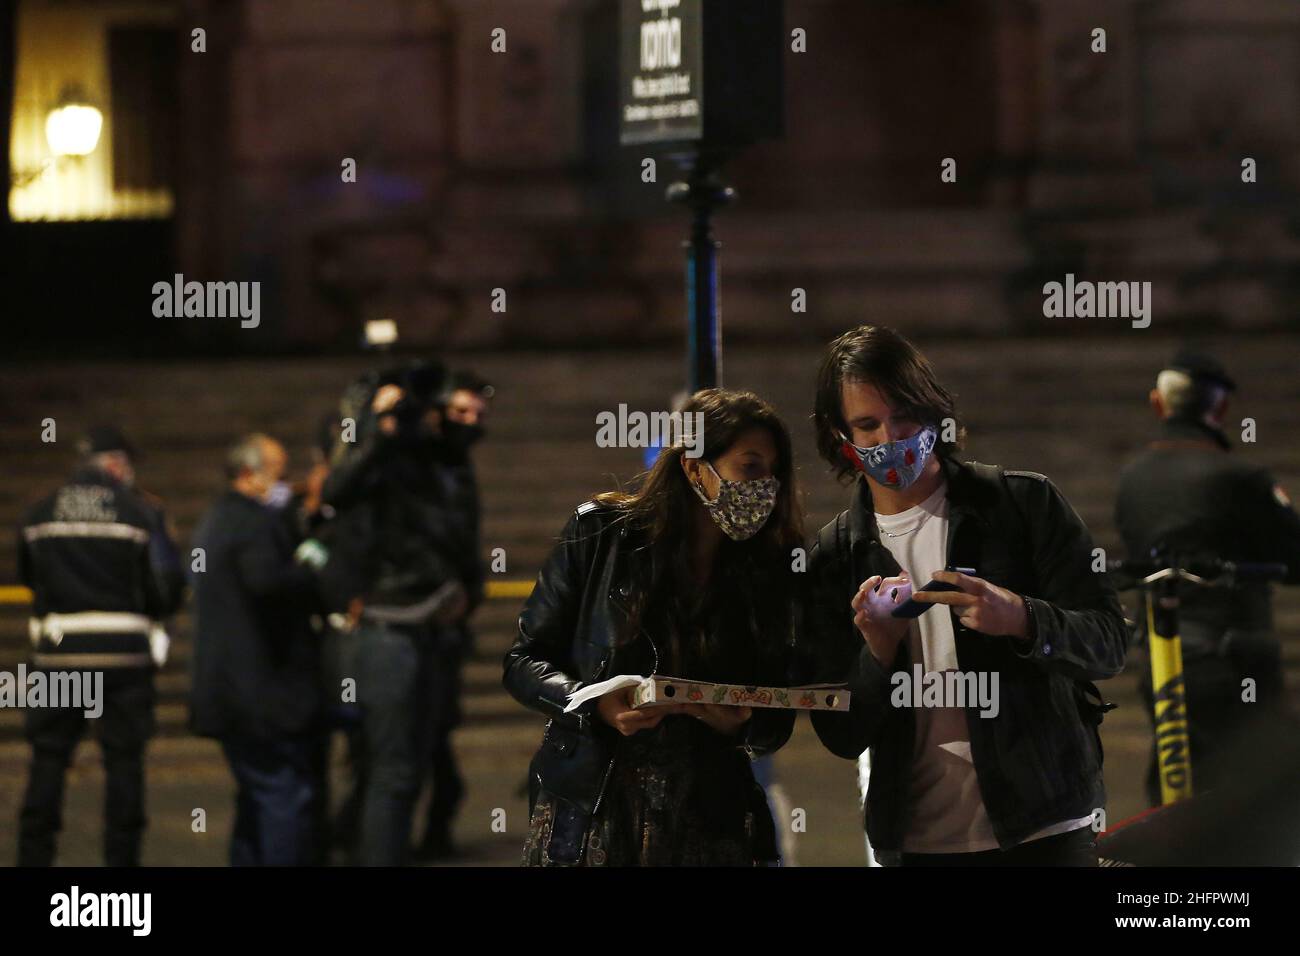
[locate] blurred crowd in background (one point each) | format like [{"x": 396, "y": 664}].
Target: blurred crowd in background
[{"x": 337, "y": 604}]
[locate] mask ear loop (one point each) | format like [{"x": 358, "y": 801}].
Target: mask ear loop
[
  {"x": 850, "y": 453},
  {"x": 699, "y": 485}
]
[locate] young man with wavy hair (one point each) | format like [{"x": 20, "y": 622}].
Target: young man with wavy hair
[{"x": 954, "y": 783}]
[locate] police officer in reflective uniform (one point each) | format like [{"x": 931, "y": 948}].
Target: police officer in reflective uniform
[
  {"x": 1189, "y": 495},
  {"x": 104, "y": 573}
]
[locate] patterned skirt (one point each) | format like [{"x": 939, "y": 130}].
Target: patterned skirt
[{"x": 678, "y": 795}]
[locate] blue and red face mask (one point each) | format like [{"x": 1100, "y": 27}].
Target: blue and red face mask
[{"x": 894, "y": 464}]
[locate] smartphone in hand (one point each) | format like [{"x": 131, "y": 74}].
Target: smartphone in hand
[{"x": 913, "y": 608}]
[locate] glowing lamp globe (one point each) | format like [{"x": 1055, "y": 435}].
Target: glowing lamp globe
[{"x": 73, "y": 129}]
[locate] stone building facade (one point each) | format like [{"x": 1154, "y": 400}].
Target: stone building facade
[{"x": 480, "y": 170}]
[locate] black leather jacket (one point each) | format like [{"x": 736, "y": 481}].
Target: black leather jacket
[
  {"x": 1038, "y": 761},
  {"x": 571, "y": 633},
  {"x": 395, "y": 520}
]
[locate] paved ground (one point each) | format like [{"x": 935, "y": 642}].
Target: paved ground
[{"x": 186, "y": 773}]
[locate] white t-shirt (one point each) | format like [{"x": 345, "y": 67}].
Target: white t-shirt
[{"x": 947, "y": 811}]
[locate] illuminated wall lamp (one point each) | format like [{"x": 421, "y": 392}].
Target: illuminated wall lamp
[{"x": 71, "y": 129}]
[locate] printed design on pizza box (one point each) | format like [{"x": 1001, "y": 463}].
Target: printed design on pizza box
[
  {"x": 653, "y": 690},
  {"x": 751, "y": 695}
]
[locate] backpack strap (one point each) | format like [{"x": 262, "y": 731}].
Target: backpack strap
[
  {"x": 833, "y": 538},
  {"x": 1009, "y": 514},
  {"x": 834, "y": 535}
]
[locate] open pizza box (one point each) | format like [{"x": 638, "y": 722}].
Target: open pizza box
[{"x": 659, "y": 689}]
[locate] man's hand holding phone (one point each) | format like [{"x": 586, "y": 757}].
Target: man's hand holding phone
[
  {"x": 915, "y": 607},
  {"x": 980, "y": 605}
]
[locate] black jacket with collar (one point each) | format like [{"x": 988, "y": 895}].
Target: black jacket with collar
[
  {"x": 396, "y": 529},
  {"x": 1189, "y": 495},
  {"x": 1038, "y": 761},
  {"x": 255, "y": 669},
  {"x": 572, "y": 633}
]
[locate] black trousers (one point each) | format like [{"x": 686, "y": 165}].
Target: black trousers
[
  {"x": 123, "y": 729},
  {"x": 1076, "y": 848},
  {"x": 393, "y": 665},
  {"x": 448, "y": 788},
  {"x": 446, "y": 784}
]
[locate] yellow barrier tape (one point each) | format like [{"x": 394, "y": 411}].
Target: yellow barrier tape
[
  {"x": 509, "y": 589},
  {"x": 17, "y": 594}
]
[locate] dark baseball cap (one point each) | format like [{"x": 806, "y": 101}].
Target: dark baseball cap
[
  {"x": 1201, "y": 366},
  {"x": 105, "y": 438}
]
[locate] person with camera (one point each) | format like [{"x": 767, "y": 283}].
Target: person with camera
[{"x": 390, "y": 500}]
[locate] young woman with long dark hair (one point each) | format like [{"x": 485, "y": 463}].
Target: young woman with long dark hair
[{"x": 690, "y": 575}]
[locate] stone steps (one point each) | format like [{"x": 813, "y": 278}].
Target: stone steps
[{"x": 1073, "y": 409}]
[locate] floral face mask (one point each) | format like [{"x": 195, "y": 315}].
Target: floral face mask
[
  {"x": 742, "y": 507},
  {"x": 894, "y": 464}
]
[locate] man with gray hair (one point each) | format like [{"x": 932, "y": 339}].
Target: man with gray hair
[
  {"x": 255, "y": 666},
  {"x": 1188, "y": 496}
]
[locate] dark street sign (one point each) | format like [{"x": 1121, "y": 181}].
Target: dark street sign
[
  {"x": 707, "y": 71},
  {"x": 661, "y": 71}
]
